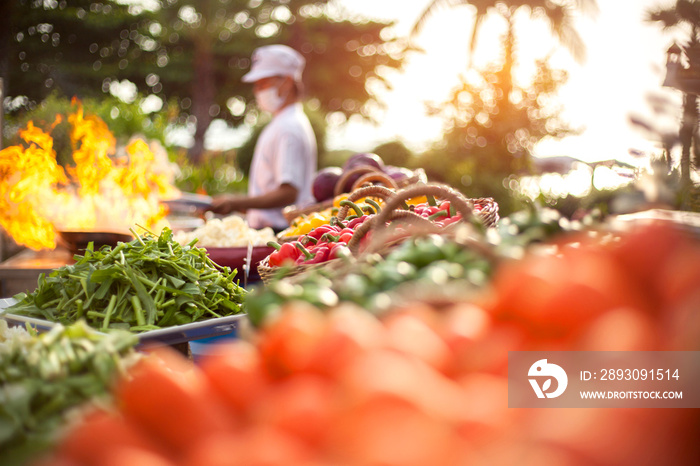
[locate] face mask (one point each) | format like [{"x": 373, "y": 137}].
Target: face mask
[{"x": 268, "y": 99}]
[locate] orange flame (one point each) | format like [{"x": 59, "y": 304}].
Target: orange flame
[{"x": 38, "y": 197}]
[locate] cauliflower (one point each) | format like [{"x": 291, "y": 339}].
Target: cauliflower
[{"x": 227, "y": 232}]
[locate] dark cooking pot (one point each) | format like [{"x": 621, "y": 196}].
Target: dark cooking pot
[{"x": 77, "y": 241}]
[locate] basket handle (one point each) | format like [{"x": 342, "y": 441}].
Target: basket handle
[
  {"x": 370, "y": 224},
  {"x": 489, "y": 211},
  {"x": 386, "y": 180},
  {"x": 369, "y": 191},
  {"x": 362, "y": 169},
  {"x": 463, "y": 205}
]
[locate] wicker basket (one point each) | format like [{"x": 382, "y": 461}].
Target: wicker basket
[
  {"x": 488, "y": 215},
  {"x": 373, "y": 179},
  {"x": 368, "y": 225},
  {"x": 347, "y": 175},
  {"x": 392, "y": 211},
  {"x": 379, "y": 192},
  {"x": 267, "y": 273}
]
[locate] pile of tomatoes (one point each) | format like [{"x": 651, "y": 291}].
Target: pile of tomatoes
[{"x": 425, "y": 384}]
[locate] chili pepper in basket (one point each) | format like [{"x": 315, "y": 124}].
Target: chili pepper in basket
[
  {"x": 339, "y": 250},
  {"x": 354, "y": 223},
  {"x": 285, "y": 254},
  {"x": 318, "y": 232},
  {"x": 320, "y": 254},
  {"x": 305, "y": 253},
  {"x": 438, "y": 214}
]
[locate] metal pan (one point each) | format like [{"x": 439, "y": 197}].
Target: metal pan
[
  {"x": 188, "y": 204},
  {"x": 77, "y": 241}
]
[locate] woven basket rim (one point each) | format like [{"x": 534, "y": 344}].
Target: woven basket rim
[{"x": 268, "y": 273}]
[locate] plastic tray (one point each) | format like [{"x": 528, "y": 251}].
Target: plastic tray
[{"x": 167, "y": 336}]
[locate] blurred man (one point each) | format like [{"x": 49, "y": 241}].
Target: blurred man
[{"x": 284, "y": 161}]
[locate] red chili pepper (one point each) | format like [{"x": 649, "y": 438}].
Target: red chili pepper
[
  {"x": 304, "y": 253},
  {"x": 438, "y": 214},
  {"x": 339, "y": 250},
  {"x": 357, "y": 221},
  {"x": 287, "y": 253},
  {"x": 308, "y": 240},
  {"x": 320, "y": 255},
  {"x": 422, "y": 209},
  {"x": 345, "y": 237},
  {"x": 317, "y": 232},
  {"x": 447, "y": 208},
  {"x": 328, "y": 238}
]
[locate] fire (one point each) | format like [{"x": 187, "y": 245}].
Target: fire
[{"x": 102, "y": 191}]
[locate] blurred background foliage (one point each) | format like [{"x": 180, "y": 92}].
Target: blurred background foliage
[
  {"x": 178, "y": 64},
  {"x": 190, "y": 55}
]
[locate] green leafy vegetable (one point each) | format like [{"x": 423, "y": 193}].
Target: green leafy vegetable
[
  {"x": 146, "y": 284},
  {"x": 43, "y": 377}
]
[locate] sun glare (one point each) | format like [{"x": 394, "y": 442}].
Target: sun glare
[{"x": 625, "y": 63}]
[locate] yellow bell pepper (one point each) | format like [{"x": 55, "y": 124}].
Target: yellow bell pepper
[
  {"x": 308, "y": 223},
  {"x": 338, "y": 199},
  {"x": 417, "y": 200}
]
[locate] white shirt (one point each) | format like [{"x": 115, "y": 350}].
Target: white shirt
[{"x": 285, "y": 153}]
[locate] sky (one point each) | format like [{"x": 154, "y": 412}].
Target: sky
[{"x": 625, "y": 65}]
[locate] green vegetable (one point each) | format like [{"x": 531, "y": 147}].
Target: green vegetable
[
  {"x": 419, "y": 265},
  {"x": 43, "y": 377},
  {"x": 431, "y": 267},
  {"x": 149, "y": 283}
]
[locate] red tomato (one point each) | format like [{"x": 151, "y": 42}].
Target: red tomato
[
  {"x": 126, "y": 456},
  {"x": 644, "y": 252},
  {"x": 236, "y": 373},
  {"x": 287, "y": 344},
  {"x": 302, "y": 406},
  {"x": 485, "y": 405},
  {"x": 216, "y": 450},
  {"x": 390, "y": 431},
  {"x": 257, "y": 446},
  {"x": 621, "y": 329},
  {"x": 552, "y": 296},
  {"x": 678, "y": 278},
  {"x": 176, "y": 408},
  {"x": 411, "y": 335},
  {"x": 100, "y": 434},
  {"x": 388, "y": 373},
  {"x": 349, "y": 331}
]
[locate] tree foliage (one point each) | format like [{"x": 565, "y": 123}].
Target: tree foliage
[
  {"x": 192, "y": 54},
  {"x": 73, "y": 46},
  {"x": 559, "y": 15},
  {"x": 492, "y": 122}
]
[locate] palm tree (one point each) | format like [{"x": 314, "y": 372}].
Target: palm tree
[
  {"x": 558, "y": 14},
  {"x": 685, "y": 14},
  {"x": 506, "y": 113}
]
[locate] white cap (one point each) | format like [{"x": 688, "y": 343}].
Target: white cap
[{"x": 275, "y": 60}]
